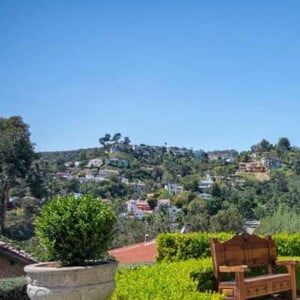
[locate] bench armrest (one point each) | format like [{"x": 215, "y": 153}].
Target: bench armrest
[
  {"x": 233, "y": 269},
  {"x": 285, "y": 262}
]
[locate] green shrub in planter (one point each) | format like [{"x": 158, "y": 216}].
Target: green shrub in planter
[{"x": 75, "y": 231}]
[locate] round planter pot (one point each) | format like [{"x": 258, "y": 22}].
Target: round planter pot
[{"x": 48, "y": 281}]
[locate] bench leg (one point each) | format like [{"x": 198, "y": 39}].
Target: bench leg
[
  {"x": 291, "y": 270},
  {"x": 240, "y": 286},
  {"x": 293, "y": 294}
]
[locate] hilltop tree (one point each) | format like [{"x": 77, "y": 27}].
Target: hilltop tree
[
  {"x": 16, "y": 156},
  {"x": 284, "y": 144},
  {"x": 262, "y": 146},
  {"x": 116, "y": 137},
  {"x": 103, "y": 140},
  {"x": 126, "y": 140}
]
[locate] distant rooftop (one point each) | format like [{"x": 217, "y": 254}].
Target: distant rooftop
[{"x": 142, "y": 252}]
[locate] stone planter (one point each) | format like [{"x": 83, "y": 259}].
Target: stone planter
[{"x": 47, "y": 281}]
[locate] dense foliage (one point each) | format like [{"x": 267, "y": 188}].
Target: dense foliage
[
  {"x": 190, "y": 279},
  {"x": 13, "y": 289},
  {"x": 145, "y": 172},
  {"x": 235, "y": 196},
  {"x": 177, "y": 247},
  {"x": 16, "y": 156},
  {"x": 75, "y": 230},
  {"x": 164, "y": 281},
  {"x": 283, "y": 220}
]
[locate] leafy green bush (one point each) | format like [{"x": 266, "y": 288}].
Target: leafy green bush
[
  {"x": 177, "y": 246},
  {"x": 283, "y": 220},
  {"x": 190, "y": 279},
  {"x": 75, "y": 230},
  {"x": 287, "y": 244},
  {"x": 20, "y": 232},
  {"x": 163, "y": 281},
  {"x": 13, "y": 289}
]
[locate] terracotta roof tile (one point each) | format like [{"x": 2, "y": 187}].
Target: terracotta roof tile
[
  {"x": 17, "y": 254},
  {"x": 142, "y": 252}
]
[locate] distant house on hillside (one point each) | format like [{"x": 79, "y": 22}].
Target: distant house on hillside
[
  {"x": 65, "y": 175},
  {"x": 77, "y": 164},
  {"x": 163, "y": 203},
  {"x": 252, "y": 167},
  {"x": 105, "y": 174},
  {"x": 69, "y": 164},
  {"x": 271, "y": 162},
  {"x": 138, "y": 187},
  {"x": 179, "y": 151},
  {"x": 13, "y": 261},
  {"x": 173, "y": 188},
  {"x": 114, "y": 149},
  {"x": 122, "y": 163},
  {"x": 95, "y": 163},
  {"x": 205, "y": 196},
  {"x": 138, "y": 208},
  {"x": 225, "y": 155},
  {"x": 90, "y": 176},
  {"x": 206, "y": 183},
  {"x": 141, "y": 149}
]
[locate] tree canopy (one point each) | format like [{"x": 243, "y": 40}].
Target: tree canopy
[{"x": 16, "y": 156}]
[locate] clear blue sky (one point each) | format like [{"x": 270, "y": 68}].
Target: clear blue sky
[{"x": 199, "y": 74}]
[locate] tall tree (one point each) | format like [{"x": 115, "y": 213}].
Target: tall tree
[
  {"x": 116, "y": 137},
  {"x": 226, "y": 220},
  {"x": 16, "y": 156},
  {"x": 284, "y": 144},
  {"x": 262, "y": 146},
  {"x": 105, "y": 139},
  {"x": 126, "y": 140}
]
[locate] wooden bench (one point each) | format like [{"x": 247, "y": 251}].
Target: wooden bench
[{"x": 243, "y": 252}]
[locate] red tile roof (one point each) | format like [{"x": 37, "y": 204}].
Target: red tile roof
[
  {"x": 142, "y": 252},
  {"x": 19, "y": 255}
]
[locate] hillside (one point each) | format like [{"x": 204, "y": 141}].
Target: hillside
[{"x": 157, "y": 189}]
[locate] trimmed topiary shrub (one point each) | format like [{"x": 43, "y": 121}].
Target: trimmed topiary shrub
[{"x": 75, "y": 231}]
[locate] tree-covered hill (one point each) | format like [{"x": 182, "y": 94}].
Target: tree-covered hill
[{"x": 200, "y": 190}]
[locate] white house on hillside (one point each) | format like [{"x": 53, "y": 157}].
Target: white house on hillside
[
  {"x": 174, "y": 188},
  {"x": 206, "y": 183},
  {"x": 95, "y": 163},
  {"x": 138, "y": 208}
]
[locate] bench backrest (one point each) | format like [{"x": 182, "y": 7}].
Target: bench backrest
[{"x": 243, "y": 249}]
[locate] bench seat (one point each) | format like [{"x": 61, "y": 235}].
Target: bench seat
[{"x": 244, "y": 252}]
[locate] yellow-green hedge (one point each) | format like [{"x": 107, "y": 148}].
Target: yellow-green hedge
[
  {"x": 163, "y": 281},
  {"x": 189, "y": 280},
  {"x": 177, "y": 246}
]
